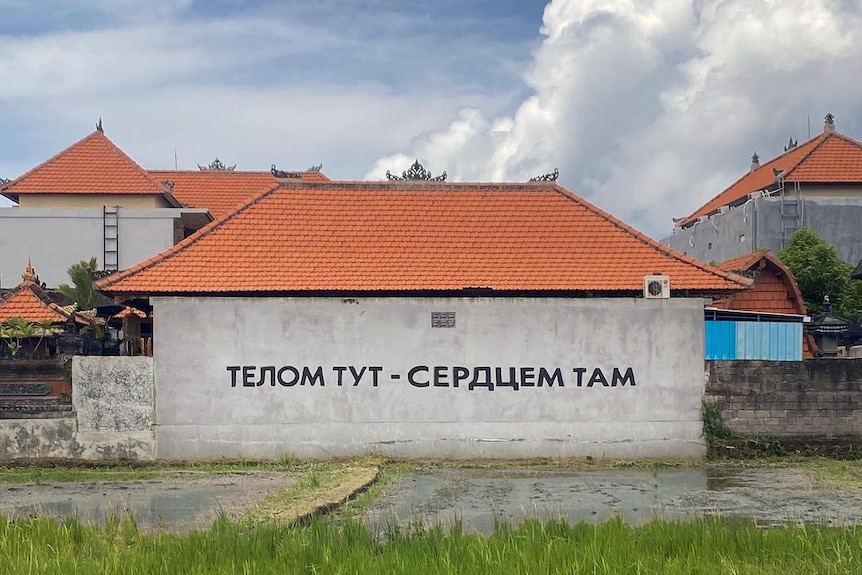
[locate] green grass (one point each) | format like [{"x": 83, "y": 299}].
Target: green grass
[{"x": 707, "y": 546}]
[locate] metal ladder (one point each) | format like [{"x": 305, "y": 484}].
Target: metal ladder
[
  {"x": 791, "y": 211},
  {"x": 111, "y": 237}
]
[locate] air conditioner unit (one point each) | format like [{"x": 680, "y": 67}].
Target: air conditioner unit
[{"x": 656, "y": 287}]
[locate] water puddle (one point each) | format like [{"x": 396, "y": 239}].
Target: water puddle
[
  {"x": 173, "y": 505},
  {"x": 479, "y": 499}
]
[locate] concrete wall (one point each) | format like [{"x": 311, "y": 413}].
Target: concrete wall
[
  {"x": 819, "y": 398},
  {"x": 112, "y": 417},
  {"x": 757, "y": 225},
  {"x": 58, "y": 238},
  {"x": 210, "y": 353}
]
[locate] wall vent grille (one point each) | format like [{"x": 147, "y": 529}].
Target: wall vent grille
[{"x": 442, "y": 319}]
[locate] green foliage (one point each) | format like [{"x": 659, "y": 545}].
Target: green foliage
[
  {"x": 13, "y": 330},
  {"x": 704, "y": 546},
  {"x": 713, "y": 422},
  {"x": 820, "y": 271},
  {"x": 83, "y": 289}
]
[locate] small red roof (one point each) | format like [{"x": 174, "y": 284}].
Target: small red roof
[
  {"x": 415, "y": 236},
  {"x": 775, "y": 292},
  {"x": 29, "y": 301},
  {"x": 830, "y": 158},
  {"x": 223, "y": 191},
  {"x": 93, "y": 165}
]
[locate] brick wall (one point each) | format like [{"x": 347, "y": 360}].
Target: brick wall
[{"x": 819, "y": 398}]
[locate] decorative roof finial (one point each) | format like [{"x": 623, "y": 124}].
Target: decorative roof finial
[
  {"x": 315, "y": 167},
  {"x": 283, "y": 173},
  {"x": 829, "y": 126},
  {"x": 217, "y": 166},
  {"x": 791, "y": 144},
  {"x": 549, "y": 177},
  {"x": 29, "y": 274},
  {"x": 755, "y": 161},
  {"x": 416, "y": 172},
  {"x": 99, "y": 127}
]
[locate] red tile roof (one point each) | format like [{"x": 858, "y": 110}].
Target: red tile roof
[
  {"x": 223, "y": 191},
  {"x": 415, "y": 236},
  {"x": 93, "y": 165},
  {"x": 829, "y": 158},
  {"x": 25, "y": 302},
  {"x": 774, "y": 291},
  {"x": 29, "y": 301}
]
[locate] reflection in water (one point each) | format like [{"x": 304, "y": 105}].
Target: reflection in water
[{"x": 167, "y": 507}]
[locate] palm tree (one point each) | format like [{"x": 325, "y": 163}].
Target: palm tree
[{"x": 83, "y": 289}]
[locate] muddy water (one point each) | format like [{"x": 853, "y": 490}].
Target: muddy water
[
  {"x": 479, "y": 498},
  {"x": 176, "y": 503}
]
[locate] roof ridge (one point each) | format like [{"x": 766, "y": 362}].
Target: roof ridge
[
  {"x": 59, "y": 154},
  {"x": 132, "y": 163},
  {"x": 822, "y": 136},
  {"x": 828, "y": 136},
  {"x": 116, "y": 150},
  {"x": 656, "y": 245},
  {"x": 185, "y": 243}
]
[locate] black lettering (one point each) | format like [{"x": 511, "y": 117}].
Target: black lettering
[
  {"x": 617, "y": 378},
  {"x": 375, "y": 370},
  {"x": 597, "y": 377},
  {"x": 311, "y": 379},
  {"x": 512, "y": 380},
  {"x": 233, "y": 369},
  {"x": 474, "y": 383},
  {"x": 557, "y": 377},
  {"x": 357, "y": 375},
  {"x": 411, "y": 376},
  {"x": 270, "y": 369},
  {"x": 440, "y": 376},
  {"x": 248, "y": 375},
  {"x": 528, "y": 374},
  {"x": 459, "y": 374},
  {"x": 284, "y": 382},
  {"x": 339, "y": 369},
  {"x": 580, "y": 371}
]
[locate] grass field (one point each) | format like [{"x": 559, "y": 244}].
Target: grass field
[
  {"x": 705, "y": 546},
  {"x": 260, "y": 542}
]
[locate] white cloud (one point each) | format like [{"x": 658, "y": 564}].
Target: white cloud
[{"x": 649, "y": 108}]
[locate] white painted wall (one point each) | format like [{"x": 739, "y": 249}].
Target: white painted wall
[{"x": 199, "y": 413}]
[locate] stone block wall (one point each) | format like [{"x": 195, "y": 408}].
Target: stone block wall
[
  {"x": 112, "y": 415},
  {"x": 819, "y": 398}
]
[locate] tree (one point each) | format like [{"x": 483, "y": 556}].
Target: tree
[
  {"x": 821, "y": 272},
  {"x": 83, "y": 289}
]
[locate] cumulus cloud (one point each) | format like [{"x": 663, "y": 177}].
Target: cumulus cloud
[{"x": 649, "y": 108}]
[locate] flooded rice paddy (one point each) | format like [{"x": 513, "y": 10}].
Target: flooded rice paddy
[{"x": 476, "y": 497}]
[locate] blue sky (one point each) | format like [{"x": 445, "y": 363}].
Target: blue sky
[{"x": 648, "y": 108}]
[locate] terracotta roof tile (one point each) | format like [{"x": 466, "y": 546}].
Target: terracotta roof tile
[
  {"x": 93, "y": 165},
  {"x": 404, "y": 236},
  {"x": 29, "y": 301},
  {"x": 826, "y": 159},
  {"x": 223, "y": 191}
]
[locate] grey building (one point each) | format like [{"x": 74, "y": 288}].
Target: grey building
[{"x": 816, "y": 185}]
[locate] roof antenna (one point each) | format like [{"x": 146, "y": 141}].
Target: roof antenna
[
  {"x": 99, "y": 127},
  {"x": 809, "y": 125},
  {"x": 176, "y": 164}
]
